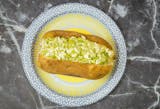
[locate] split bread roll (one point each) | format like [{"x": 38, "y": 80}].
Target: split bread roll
[{"x": 75, "y": 54}]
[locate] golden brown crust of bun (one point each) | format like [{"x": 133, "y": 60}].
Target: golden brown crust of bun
[{"x": 84, "y": 70}]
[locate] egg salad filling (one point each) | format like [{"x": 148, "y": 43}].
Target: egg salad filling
[{"x": 75, "y": 49}]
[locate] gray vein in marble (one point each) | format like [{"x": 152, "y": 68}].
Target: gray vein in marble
[
  {"x": 11, "y": 22},
  {"x": 11, "y": 34},
  {"x": 156, "y": 49},
  {"x": 47, "y": 6},
  {"x": 15, "y": 98},
  {"x": 1, "y": 88},
  {"x": 137, "y": 83},
  {"x": 2, "y": 39},
  {"x": 120, "y": 10},
  {"x": 110, "y": 6},
  {"x": 33, "y": 98},
  {"x": 5, "y": 49},
  {"x": 157, "y": 94},
  {"x": 41, "y": 102},
  {"x": 122, "y": 94},
  {"x": 14, "y": 4},
  {"x": 42, "y": 106},
  {"x": 155, "y": 88},
  {"x": 98, "y": 3},
  {"x": 21, "y": 17},
  {"x": 29, "y": 91},
  {"x": 132, "y": 44},
  {"x": 53, "y": 107},
  {"x": 9, "y": 30},
  {"x": 6, "y": 18},
  {"x": 18, "y": 28},
  {"x": 143, "y": 58}
]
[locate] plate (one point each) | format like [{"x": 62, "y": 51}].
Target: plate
[
  {"x": 69, "y": 85},
  {"x": 67, "y": 90}
]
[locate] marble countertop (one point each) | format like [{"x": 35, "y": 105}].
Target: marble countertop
[{"x": 139, "y": 21}]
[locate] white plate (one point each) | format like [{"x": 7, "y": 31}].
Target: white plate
[{"x": 27, "y": 54}]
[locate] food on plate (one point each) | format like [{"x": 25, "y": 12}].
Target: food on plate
[{"x": 75, "y": 54}]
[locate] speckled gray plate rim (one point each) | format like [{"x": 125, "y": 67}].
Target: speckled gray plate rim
[{"x": 29, "y": 67}]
